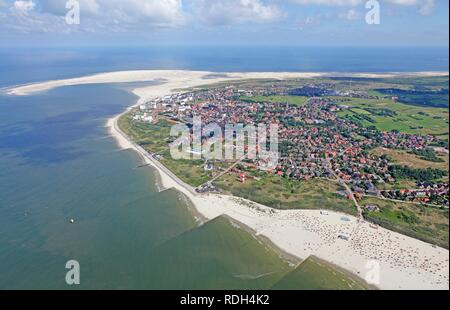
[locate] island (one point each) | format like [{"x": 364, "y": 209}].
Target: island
[{"x": 362, "y": 176}]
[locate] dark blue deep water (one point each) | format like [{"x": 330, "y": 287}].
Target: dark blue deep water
[{"x": 29, "y": 65}]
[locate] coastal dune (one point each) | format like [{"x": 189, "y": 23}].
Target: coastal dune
[{"x": 392, "y": 260}]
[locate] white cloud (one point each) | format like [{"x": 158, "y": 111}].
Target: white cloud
[
  {"x": 328, "y": 2},
  {"x": 225, "y": 12},
  {"x": 24, "y": 6},
  {"x": 404, "y": 2},
  {"x": 351, "y": 15},
  {"x": 425, "y": 7},
  {"x": 148, "y": 12},
  {"x": 58, "y": 7},
  {"x": 308, "y": 22},
  {"x": 23, "y": 20},
  {"x": 144, "y": 15},
  {"x": 96, "y": 15},
  {"x": 168, "y": 12}
]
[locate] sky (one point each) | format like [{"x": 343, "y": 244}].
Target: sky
[{"x": 224, "y": 22}]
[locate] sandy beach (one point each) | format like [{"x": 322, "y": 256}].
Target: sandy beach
[{"x": 405, "y": 263}]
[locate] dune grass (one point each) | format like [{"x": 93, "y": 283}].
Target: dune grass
[{"x": 281, "y": 193}]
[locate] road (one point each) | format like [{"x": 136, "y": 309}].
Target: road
[
  {"x": 347, "y": 188},
  {"x": 225, "y": 172},
  {"x": 350, "y": 192}
]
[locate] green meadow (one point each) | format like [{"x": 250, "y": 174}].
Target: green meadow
[
  {"x": 408, "y": 119},
  {"x": 281, "y": 193},
  {"x": 154, "y": 138},
  {"x": 414, "y": 220},
  {"x": 293, "y": 100}
]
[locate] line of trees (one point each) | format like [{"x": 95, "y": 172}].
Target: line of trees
[{"x": 419, "y": 175}]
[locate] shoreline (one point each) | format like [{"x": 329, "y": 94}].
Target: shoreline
[
  {"x": 289, "y": 258},
  {"x": 405, "y": 263},
  {"x": 152, "y": 75}
]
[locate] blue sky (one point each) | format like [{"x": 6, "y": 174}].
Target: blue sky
[{"x": 224, "y": 22}]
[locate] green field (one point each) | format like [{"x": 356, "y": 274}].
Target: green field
[
  {"x": 294, "y": 100},
  {"x": 404, "y": 158},
  {"x": 432, "y": 82},
  {"x": 315, "y": 274},
  {"x": 154, "y": 138},
  {"x": 280, "y": 193},
  {"x": 418, "y": 221},
  {"x": 189, "y": 171},
  {"x": 408, "y": 119}
]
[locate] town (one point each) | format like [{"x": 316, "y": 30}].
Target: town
[{"x": 315, "y": 141}]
